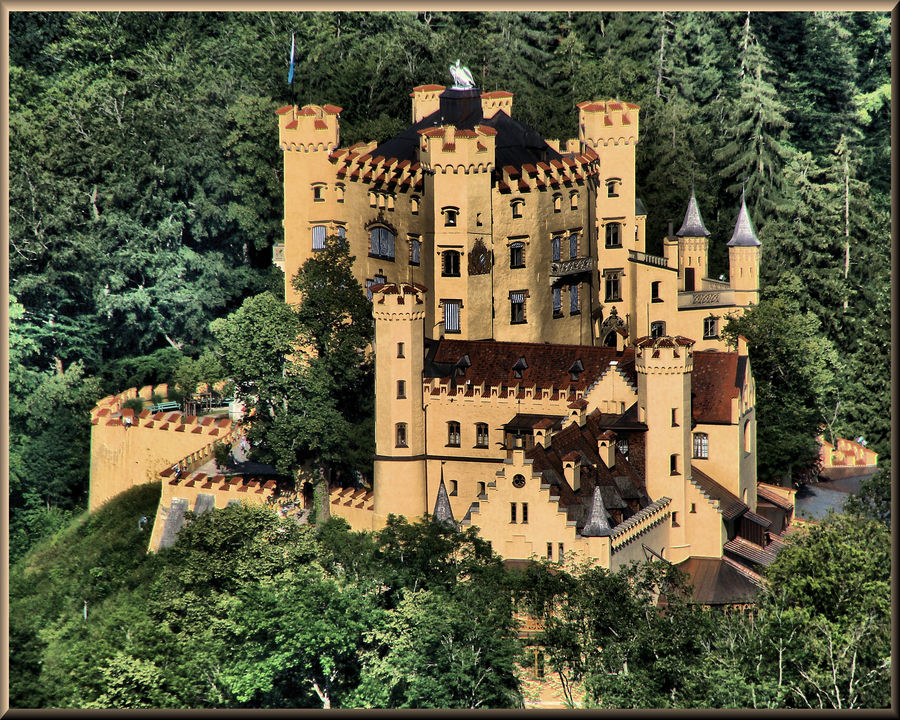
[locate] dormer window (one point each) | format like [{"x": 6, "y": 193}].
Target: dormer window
[
  {"x": 517, "y": 206},
  {"x": 450, "y": 216}
]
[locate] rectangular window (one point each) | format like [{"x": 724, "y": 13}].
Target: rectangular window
[
  {"x": 557, "y": 302},
  {"x": 674, "y": 417},
  {"x": 482, "y": 489},
  {"x": 451, "y": 263},
  {"x": 611, "y": 188},
  {"x": 673, "y": 464},
  {"x": 675, "y": 520},
  {"x": 453, "y": 434},
  {"x": 573, "y": 201},
  {"x": 560, "y": 553},
  {"x": 318, "y": 237},
  {"x": 517, "y": 255},
  {"x": 701, "y": 446},
  {"x": 401, "y": 389},
  {"x": 549, "y": 551},
  {"x": 524, "y": 512},
  {"x": 573, "y": 245},
  {"x": 556, "y": 243},
  {"x": 415, "y": 251},
  {"x": 481, "y": 435},
  {"x": 449, "y": 217},
  {"x": 573, "y": 299},
  {"x": 613, "y": 236},
  {"x": 657, "y": 329},
  {"x": 454, "y": 488},
  {"x": 318, "y": 193},
  {"x": 654, "y": 291},
  {"x": 400, "y": 350},
  {"x": 710, "y": 328},
  {"x": 517, "y": 206},
  {"x": 369, "y": 284},
  {"x": 613, "y": 287},
  {"x": 512, "y": 512},
  {"x": 451, "y": 316},
  {"x": 401, "y": 435},
  {"x": 517, "y": 307}
]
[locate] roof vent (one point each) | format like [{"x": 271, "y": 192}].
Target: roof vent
[
  {"x": 576, "y": 369},
  {"x": 520, "y": 367}
]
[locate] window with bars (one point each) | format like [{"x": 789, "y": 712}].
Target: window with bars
[
  {"x": 453, "y": 433},
  {"x": 613, "y": 235},
  {"x": 517, "y": 307},
  {"x": 415, "y": 251},
  {"x": 381, "y": 243},
  {"x": 318, "y": 237},
  {"x": 557, "y": 302},
  {"x": 481, "y": 435},
  {"x": 450, "y": 263},
  {"x": 556, "y": 246},
  {"x": 701, "y": 446},
  {"x": 573, "y": 245},
  {"x": 517, "y": 255},
  {"x": 451, "y": 316},
  {"x": 573, "y": 300}
]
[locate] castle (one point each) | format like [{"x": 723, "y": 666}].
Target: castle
[{"x": 539, "y": 375}]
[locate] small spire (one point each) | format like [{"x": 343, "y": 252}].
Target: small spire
[
  {"x": 597, "y": 524},
  {"x": 693, "y": 223},
  {"x": 443, "y": 513},
  {"x": 743, "y": 236}
]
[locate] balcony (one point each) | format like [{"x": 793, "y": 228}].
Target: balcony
[
  {"x": 575, "y": 266},
  {"x": 278, "y": 256},
  {"x": 647, "y": 259}
]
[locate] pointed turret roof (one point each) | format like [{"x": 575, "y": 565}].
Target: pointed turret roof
[
  {"x": 443, "y": 513},
  {"x": 743, "y": 229},
  {"x": 693, "y": 223},
  {"x": 597, "y": 524}
]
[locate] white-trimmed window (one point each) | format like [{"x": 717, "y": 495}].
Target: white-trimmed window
[
  {"x": 381, "y": 242},
  {"x": 451, "y": 316},
  {"x": 318, "y": 237},
  {"x": 701, "y": 446},
  {"x": 710, "y": 327}
]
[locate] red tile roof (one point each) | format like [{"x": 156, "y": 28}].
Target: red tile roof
[
  {"x": 713, "y": 386},
  {"x": 496, "y": 94},
  {"x": 427, "y": 88},
  {"x": 283, "y": 109},
  {"x": 332, "y": 109}
]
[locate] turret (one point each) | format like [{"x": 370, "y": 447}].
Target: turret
[
  {"x": 743, "y": 259},
  {"x": 664, "y": 367},
  {"x": 693, "y": 247},
  {"x": 399, "y": 477},
  {"x": 425, "y": 100}
]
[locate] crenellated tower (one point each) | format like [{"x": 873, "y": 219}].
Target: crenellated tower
[
  {"x": 743, "y": 259},
  {"x": 399, "y": 477},
  {"x": 693, "y": 248}
]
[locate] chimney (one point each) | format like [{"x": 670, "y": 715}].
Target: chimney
[
  {"x": 572, "y": 469},
  {"x": 543, "y": 432},
  {"x": 606, "y": 448}
]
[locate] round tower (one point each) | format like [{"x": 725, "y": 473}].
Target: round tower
[
  {"x": 399, "y": 477},
  {"x": 743, "y": 260},
  {"x": 664, "y": 367},
  {"x": 693, "y": 247}
]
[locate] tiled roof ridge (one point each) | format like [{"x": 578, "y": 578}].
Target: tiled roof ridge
[{"x": 639, "y": 516}]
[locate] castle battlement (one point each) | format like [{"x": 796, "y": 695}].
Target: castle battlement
[
  {"x": 312, "y": 128},
  {"x": 601, "y": 123}
]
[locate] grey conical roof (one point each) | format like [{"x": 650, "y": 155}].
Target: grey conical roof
[
  {"x": 443, "y": 513},
  {"x": 743, "y": 229},
  {"x": 597, "y": 524},
  {"x": 693, "y": 224}
]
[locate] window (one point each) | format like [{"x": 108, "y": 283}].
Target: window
[
  {"x": 401, "y": 389},
  {"x": 747, "y": 436},
  {"x": 318, "y": 193},
  {"x": 379, "y": 280},
  {"x": 524, "y": 512},
  {"x": 612, "y": 187},
  {"x": 415, "y": 251},
  {"x": 556, "y": 244},
  {"x": 517, "y": 255},
  {"x": 557, "y": 203},
  {"x": 450, "y": 216},
  {"x": 573, "y": 245},
  {"x": 701, "y": 446},
  {"x": 453, "y": 434},
  {"x": 400, "y": 350},
  {"x": 674, "y": 417},
  {"x": 622, "y": 446},
  {"x": 339, "y": 193},
  {"x": 557, "y": 302},
  {"x": 657, "y": 329},
  {"x": 549, "y": 551},
  {"x": 478, "y": 222},
  {"x": 401, "y": 435},
  {"x": 372, "y": 199},
  {"x": 451, "y": 263},
  {"x": 693, "y": 507},
  {"x": 613, "y": 286},
  {"x": 451, "y": 316},
  {"x": 481, "y": 435},
  {"x": 517, "y": 307},
  {"x": 517, "y": 206},
  {"x": 518, "y": 481},
  {"x": 673, "y": 464},
  {"x": 573, "y": 200},
  {"x": 512, "y": 512},
  {"x": 414, "y": 205},
  {"x": 318, "y": 237},
  {"x": 342, "y": 232},
  {"x": 613, "y": 235},
  {"x": 454, "y": 487},
  {"x": 675, "y": 520},
  {"x": 482, "y": 490},
  {"x": 573, "y": 300},
  {"x": 381, "y": 243},
  {"x": 654, "y": 291},
  {"x": 710, "y": 327},
  {"x": 560, "y": 553}
]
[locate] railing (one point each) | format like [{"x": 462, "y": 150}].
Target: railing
[
  {"x": 563, "y": 268},
  {"x": 647, "y": 259},
  {"x": 700, "y": 298},
  {"x": 710, "y": 284}
]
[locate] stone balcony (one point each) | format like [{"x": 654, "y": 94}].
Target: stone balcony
[
  {"x": 575, "y": 266},
  {"x": 705, "y": 298}
]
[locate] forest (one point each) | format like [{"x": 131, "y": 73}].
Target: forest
[{"x": 145, "y": 195}]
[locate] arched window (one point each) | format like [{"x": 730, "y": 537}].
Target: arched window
[
  {"x": 573, "y": 200},
  {"x": 701, "y": 446},
  {"x": 450, "y": 216},
  {"x": 557, "y": 203},
  {"x": 381, "y": 242},
  {"x": 517, "y": 206},
  {"x": 339, "y": 192},
  {"x": 401, "y": 435},
  {"x": 451, "y": 263},
  {"x": 453, "y": 433},
  {"x": 613, "y": 235},
  {"x": 318, "y": 237},
  {"x": 414, "y": 204}
]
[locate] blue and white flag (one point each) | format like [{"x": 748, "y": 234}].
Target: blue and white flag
[{"x": 291, "y": 71}]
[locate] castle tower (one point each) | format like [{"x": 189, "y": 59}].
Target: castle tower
[
  {"x": 743, "y": 259},
  {"x": 458, "y": 159},
  {"x": 307, "y": 137},
  {"x": 399, "y": 477},
  {"x": 693, "y": 247},
  {"x": 664, "y": 367}
]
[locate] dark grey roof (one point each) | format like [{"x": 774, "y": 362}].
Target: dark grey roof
[
  {"x": 693, "y": 223},
  {"x": 174, "y": 521},
  {"x": 443, "y": 513},
  {"x": 597, "y": 524},
  {"x": 715, "y": 582},
  {"x": 639, "y": 208},
  {"x": 743, "y": 230}
]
